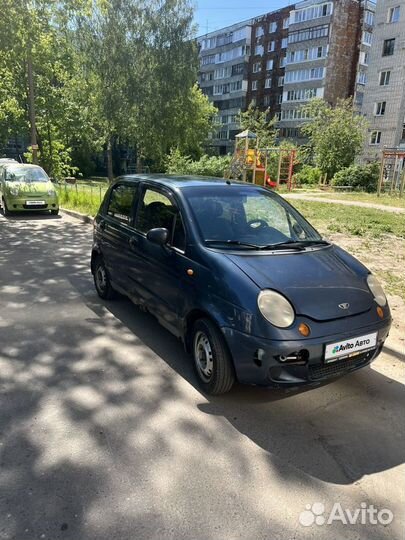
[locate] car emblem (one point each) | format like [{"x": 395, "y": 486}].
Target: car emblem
[{"x": 344, "y": 306}]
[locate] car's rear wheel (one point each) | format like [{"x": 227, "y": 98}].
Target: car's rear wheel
[
  {"x": 102, "y": 281},
  {"x": 212, "y": 360}
]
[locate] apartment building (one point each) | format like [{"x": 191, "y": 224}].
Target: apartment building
[
  {"x": 223, "y": 77},
  {"x": 325, "y": 42},
  {"x": 384, "y": 97},
  {"x": 267, "y": 61}
]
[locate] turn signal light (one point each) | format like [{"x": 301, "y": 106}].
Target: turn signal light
[
  {"x": 380, "y": 312},
  {"x": 304, "y": 329}
]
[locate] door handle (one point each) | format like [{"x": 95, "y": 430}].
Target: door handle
[{"x": 133, "y": 242}]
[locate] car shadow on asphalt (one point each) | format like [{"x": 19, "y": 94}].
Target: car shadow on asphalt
[{"x": 337, "y": 432}]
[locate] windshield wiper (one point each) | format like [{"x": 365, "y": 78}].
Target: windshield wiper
[
  {"x": 295, "y": 244},
  {"x": 232, "y": 243}
]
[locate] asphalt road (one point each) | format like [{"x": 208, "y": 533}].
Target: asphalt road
[{"x": 105, "y": 435}]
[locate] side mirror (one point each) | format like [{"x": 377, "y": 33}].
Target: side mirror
[{"x": 158, "y": 236}]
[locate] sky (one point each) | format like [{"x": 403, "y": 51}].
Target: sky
[{"x": 214, "y": 14}]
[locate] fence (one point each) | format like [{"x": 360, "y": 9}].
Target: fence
[{"x": 94, "y": 192}]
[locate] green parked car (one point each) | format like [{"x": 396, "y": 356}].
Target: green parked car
[{"x": 25, "y": 188}]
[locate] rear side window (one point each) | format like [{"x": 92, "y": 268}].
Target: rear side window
[{"x": 121, "y": 203}]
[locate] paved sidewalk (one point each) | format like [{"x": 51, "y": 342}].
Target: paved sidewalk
[{"x": 385, "y": 208}]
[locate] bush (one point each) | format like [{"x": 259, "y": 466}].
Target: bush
[
  {"x": 215, "y": 166},
  {"x": 361, "y": 177},
  {"x": 308, "y": 175}
]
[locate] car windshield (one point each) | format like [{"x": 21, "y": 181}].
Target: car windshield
[
  {"x": 248, "y": 217},
  {"x": 26, "y": 174}
]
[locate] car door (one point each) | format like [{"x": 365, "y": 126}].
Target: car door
[
  {"x": 117, "y": 231},
  {"x": 155, "y": 271}
]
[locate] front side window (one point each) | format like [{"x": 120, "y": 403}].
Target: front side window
[
  {"x": 236, "y": 215},
  {"x": 121, "y": 202},
  {"x": 26, "y": 174},
  {"x": 156, "y": 210}
]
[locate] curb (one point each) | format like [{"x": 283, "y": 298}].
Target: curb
[{"x": 82, "y": 217}]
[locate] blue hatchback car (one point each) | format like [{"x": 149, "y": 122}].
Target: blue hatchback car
[{"x": 236, "y": 273}]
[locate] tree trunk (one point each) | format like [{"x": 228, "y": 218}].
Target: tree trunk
[
  {"x": 110, "y": 171},
  {"x": 31, "y": 106}
]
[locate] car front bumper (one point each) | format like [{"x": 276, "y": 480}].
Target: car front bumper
[
  {"x": 257, "y": 360},
  {"x": 19, "y": 204}
]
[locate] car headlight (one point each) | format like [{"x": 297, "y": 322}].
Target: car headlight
[
  {"x": 51, "y": 193},
  {"x": 14, "y": 191},
  {"x": 376, "y": 289},
  {"x": 276, "y": 308}
]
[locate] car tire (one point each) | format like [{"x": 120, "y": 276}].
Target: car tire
[
  {"x": 6, "y": 211},
  {"x": 102, "y": 281},
  {"x": 212, "y": 360},
  {"x": 55, "y": 212}
]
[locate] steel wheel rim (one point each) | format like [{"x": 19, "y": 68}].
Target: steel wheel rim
[
  {"x": 101, "y": 278},
  {"x": 203, "y": 356}
]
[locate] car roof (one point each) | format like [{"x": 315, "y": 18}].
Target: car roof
[
  {"x": 23, "y": 165},
  {"x": 180, "y": 182}
]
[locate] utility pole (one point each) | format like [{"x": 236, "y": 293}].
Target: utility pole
[{"x": 31, "y": 108}]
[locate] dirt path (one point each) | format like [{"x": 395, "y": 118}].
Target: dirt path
[{"x": 392, "y": 209}]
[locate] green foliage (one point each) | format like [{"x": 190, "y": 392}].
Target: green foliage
[
  {"x": 56, "y": 160},
  {"x": 362, "y": 177},
  {"x": 308, "y": 175},
  {"x": 336, "y": 134},
  {"x": 259, "y": 122},
  {"x": 214, "y": 166}
]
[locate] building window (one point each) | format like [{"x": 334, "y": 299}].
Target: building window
[
  {"x": 393, "y": 14},
  {"x": 385, "y": 78},
  {"x": 375, "y": 137},
  {"x": 269, "y": 65},
  {"x": 303, "y": 55},
  {"x": 253, "y": 102},
  {"x": 259, "y": 31},
  {"x": 379, "y": 108},
  {"x": 284, "y": 43},
  {"x": 281, "y": 81},
  {"x": 305, "y": 75},
  {"x": 257, "y": 67},
  {"x": 272, "y": 27},
  {"x": 238, "y": 69},
  {"x": 268, "y": 83},
  {"x": 362, "y": 77},
  {"x": 388, "y": 47},
  {"x": 367, "y": 38},
  {"x": 313, "y": 12},
  {"x": 266, "y": 100},
  {"x": 309, "y": 33},
  {"x": 364, "y": 56},
  {"x": 286, "y": 22},
  {"x": 236, "y": 86},
  {"x": 403, "y": 133},
  {"x": 259, "y": 50},
  {"x": 280, "y": 99},
  {"x": 303, "y": 94},
  {"x": 369, "y": 18},
  {"x": 272, "y": 46},
  {"x": 254, "y": 85}
]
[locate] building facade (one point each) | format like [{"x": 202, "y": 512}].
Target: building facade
[
  {"x": 267, "y": 61},
  {"x": 384, "y": 97},
  {"x": 323, "y": 57},
  {"x": 223, "y": 77}
]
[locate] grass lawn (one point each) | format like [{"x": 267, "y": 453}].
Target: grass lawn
[
  {"x": 82, "y": 197},
  {"x": 354, "y": 220},
  {"x": 385, "y": 198}
]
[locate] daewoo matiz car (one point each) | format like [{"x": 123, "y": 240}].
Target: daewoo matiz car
[
  {"x": 241, "y": 277},
  {"x": 26, "y": 187}
]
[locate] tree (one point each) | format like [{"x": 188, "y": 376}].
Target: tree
[
  {"x": 259, "y": 122},
  {"x": 336, "y": 134}
]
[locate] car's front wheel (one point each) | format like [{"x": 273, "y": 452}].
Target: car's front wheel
[
  {"x": 212, "y": 360},
  {"x": 6, "y": 211},
  {"x": 102, "y": 280},
  {"x": 55, "y": 212}
]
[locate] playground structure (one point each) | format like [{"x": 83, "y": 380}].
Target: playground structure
[
  {"x": 392, "y": 176},
  {"x": 252, "y": 163}
]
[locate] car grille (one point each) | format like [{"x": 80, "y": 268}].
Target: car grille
[
  {"x": 320, "y": 371},
  {"x": 35, "y": 206}
]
